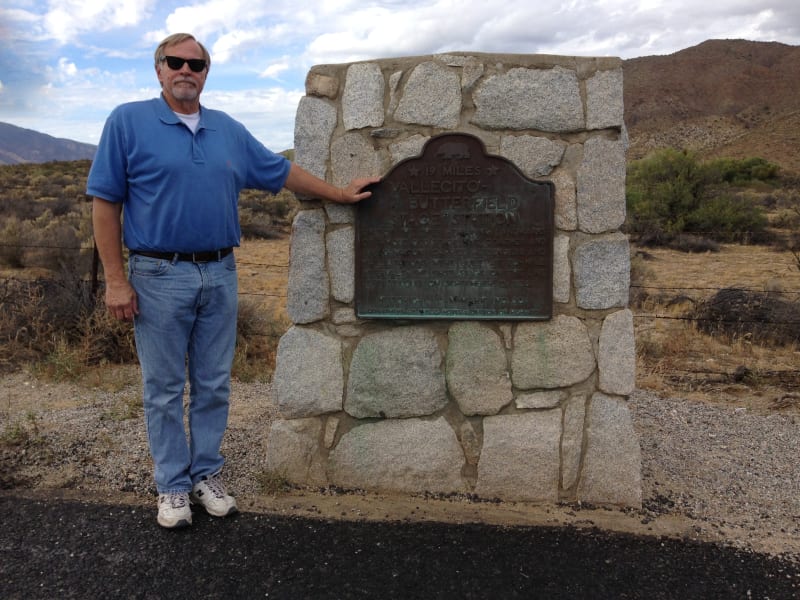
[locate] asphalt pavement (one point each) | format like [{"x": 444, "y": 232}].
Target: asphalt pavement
[{"x": 68, "y": 549}]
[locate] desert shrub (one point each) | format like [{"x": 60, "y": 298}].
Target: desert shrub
[
  {"x": 762, "y": 317},
  {"x": 28, "y": 190},
  {"x": 55, "y": 244},
  {"x": 729, "y": 219},
  {"x": 671, "y": 193},
  {"x": 742, "y": 172},
  {"x": 794, "y": 248},
  {"x": 105, "y": 339},
  {"x": 641, "y": 272},
  {"x": 61, "y": 206},
  {"x": 284, "y": 205},
  {"x": 85, "y": 326},
  {"x": 59, "y": 324},
  {"x": 62, "y": 328},
  {"x": 24, "y": 330},
  {"x": 257, "y": 225},
  {"x": 257, "y": 334},
  {"x": 786, "y": 219},
  {"x": 693, "y": 243},
  {"x": 262, "y": 215},
  {"x": 661, "y": 190},
  {"x": 46, "y": 219},
  {"x": 18, "y": 204},
  {"x": 11, "y": 249}
]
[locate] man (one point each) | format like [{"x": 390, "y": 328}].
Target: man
[{"x": 174, "y": 169}]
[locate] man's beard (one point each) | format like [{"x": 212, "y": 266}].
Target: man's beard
[{"x": 184, "y": 92}]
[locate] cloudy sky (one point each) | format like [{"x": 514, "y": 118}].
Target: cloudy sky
[{"x": 64, "y": 64}]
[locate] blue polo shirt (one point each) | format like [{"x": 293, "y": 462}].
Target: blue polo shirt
[{"x": 180, "y": 190}]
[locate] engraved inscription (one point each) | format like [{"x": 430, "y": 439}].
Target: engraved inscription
[{"x": 455, "y": 233}]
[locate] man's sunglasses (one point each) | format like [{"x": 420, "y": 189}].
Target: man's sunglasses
[{"x": 175, "y": 62}]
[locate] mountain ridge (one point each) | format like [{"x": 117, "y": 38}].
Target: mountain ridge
[{"x": 19, "y": 145}]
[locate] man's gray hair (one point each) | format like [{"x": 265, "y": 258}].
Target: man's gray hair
[{"x": 177, "y": 38}]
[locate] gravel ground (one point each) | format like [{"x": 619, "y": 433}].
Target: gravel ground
[
  {"x": 710, "y": 472},
  {"x": 732, "y": 470}
]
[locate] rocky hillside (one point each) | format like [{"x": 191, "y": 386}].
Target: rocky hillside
[{"x": 721, "y": 98}]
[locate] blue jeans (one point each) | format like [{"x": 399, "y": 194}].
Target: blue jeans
[{"x": 187, "y": 316}]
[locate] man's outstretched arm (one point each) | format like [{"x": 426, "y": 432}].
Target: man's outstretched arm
[{"x": 301, "y": 181}]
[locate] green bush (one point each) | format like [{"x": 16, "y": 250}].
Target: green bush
[
  {"x": 742, "y": 172},
  {"x": 730, "y": 218},
  {"x": 661, "y": 191},
  {"x": 671, "y": 193}
]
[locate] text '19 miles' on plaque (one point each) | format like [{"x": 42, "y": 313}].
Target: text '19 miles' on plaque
[{"x": 455, "y": 234}]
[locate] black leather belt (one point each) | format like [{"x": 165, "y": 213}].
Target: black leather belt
[{"x": 198, "y": 257}]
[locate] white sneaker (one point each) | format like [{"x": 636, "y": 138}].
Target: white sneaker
[
  {"x": 210, "y": 494},
  {"x": 174, "y": 510}
]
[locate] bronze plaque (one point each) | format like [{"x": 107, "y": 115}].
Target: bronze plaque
[{"x": 455, "y": 234}]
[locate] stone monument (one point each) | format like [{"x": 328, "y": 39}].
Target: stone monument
[{"x": 503, "y": 393}]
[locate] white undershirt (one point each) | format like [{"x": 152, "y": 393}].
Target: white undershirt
[{"x": 191, "y": 121}]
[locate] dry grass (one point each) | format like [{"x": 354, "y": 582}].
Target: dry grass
[
  {"x": 676, "y": 359},
  {"x": 263, "y": 267},
  {"x": 752, "y": 267}
]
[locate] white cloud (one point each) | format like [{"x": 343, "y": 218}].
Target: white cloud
[
  {"x": 512, "y": 26},
  {"x": 236, "y": 42},
  {"x": 267, "y": 113},
  {"x": 19, "y": 25},
  {"x": 275, "y": 69},
  {"x": 83, "y": 57},
  {"x": 592, "y": 27},
  {"x": 203, "y": 19},
  {"x": 66, "y": 69},
  {"x": 20, "y": 15},
  {"x": 68, "y": 19},
  {"x": 213, "y": 18}
]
